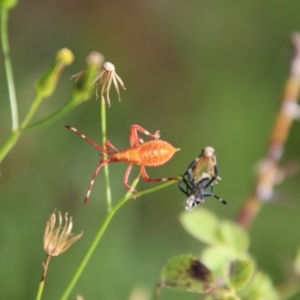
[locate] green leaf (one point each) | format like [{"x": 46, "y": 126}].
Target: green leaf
[
  {"x": 216, "y": 258},
  {"x": 260, "y": 287},
  {"x": 186, "y": 273},
  {"x": 235, "y": 237},
  {"x": 240, "y": 272},
  {"x": 202, "y": 225}
]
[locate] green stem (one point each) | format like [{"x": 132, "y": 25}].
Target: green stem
[
  {"x": 102, "y": 229},
  {"x": 106, "y": 173},
  {"x": 95, "y": 242},
  {"x": 59, "y": 113},
  {"x": 9, "y": 144},
  {"x": 8, "y": 70},
  {"x": 40, "y": 290},
  {"x": 32, "y": 110},
  {"x": 42, "y": 282},
  {"x": 14, "y": 136}
]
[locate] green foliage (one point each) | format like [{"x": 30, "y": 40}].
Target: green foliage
[
  {"x": 234, "y": 237},
  {"x": 8, "y": 4},
  {"x": 240, "y": 272},
  {"x": 186, "y": 273},
  {"x": 260, "y": 287},
  {"x": 202, "y": 225},
  {"x": 226, "y": 257}
]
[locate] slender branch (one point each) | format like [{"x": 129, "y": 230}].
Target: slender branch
[
  {"x": 14, "y": 136},
  {"x": 102, "y": 229},
  {"x": 56, "y": 115},
  {"x": 32, "y": 110},
  {"x": 263, "y": 190},
  {"x": 106, "y": 173},
  {"x": 9, "y": 144},
  {"x": 42, "y": 282},
  {"x": 8, "y": 70},
  {"x": 95, "y": 242}
]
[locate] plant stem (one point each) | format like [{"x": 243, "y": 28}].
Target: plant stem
[
  {"x": 96, "y": 240},
  {"x": 106, "y": 173},
  {"x": 14, "y": 136},
  {"x": 42, "y": 282},
  {"x": 9, "y": 144},
  {"x": 8, "y": 70},
  {"x": 102, "y": 229},
  {"x": 33, "y": 108},
  {"x": 266, "y": 178},
  {"x": 59, "y": 113}
]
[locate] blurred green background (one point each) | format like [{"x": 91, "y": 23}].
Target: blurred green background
[{"x": 206, "y": 73}]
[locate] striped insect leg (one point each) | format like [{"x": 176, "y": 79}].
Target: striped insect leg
[
  {"x": 147, "y": 178},
  {"x": 101, "y": 164}
]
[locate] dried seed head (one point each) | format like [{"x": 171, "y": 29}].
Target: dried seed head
[
  {"x": 105, "y": 77},
  {"x": 58, "y": 237}
]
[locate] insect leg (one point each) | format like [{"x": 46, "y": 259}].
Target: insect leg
[
  {"x": 146, "y": 177},
  {"x": 90, "y": 141},
  {"x": 186, "y": 186},
  {"x": 215, "y": 196},
  {"x": 125, "y": 179},
  {"x": 108, "y": 145},
  {"x": 134, "y": 138},
  {"x": 214, "y": 178},
  {"x": 101, "y": 164}
]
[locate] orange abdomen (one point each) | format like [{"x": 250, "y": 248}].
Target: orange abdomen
[
  {"x": 156, "y": 153},
  {"x": 150, "y": 154}
]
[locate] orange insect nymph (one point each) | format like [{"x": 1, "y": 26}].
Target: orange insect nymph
[{"x": 146, "y": 154}]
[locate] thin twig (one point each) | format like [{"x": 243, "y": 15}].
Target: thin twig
[
  {"x": 9, "y": 71},
  {"x": 103, "y": 227},
  {"x": 42, "y": 282},
  {"x": 289, "y": 110},
  {"x": 95, "y": 242},
  {"x": 106, "y": 173}
]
